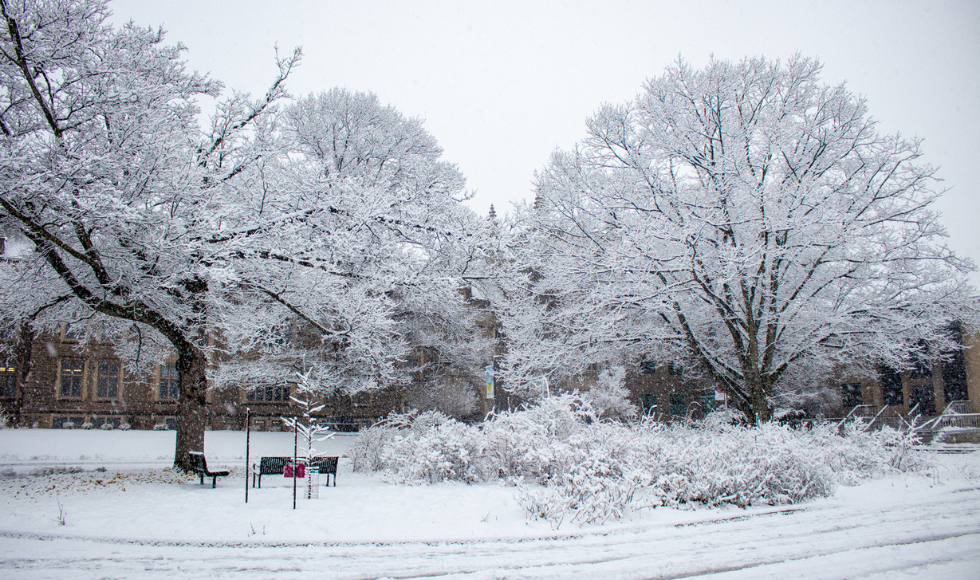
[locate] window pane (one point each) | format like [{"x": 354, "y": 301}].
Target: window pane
[
  {"x": 75, "y": 331},
  {"x": 891, "y": 386},
  {"x": 851, "y": 395},
  {"x": 108, "y": 385},
  {"x": 649, "y": 403},
  {"x": 677, "y": 404},
  {"x": 71, "y": 386},
  {"x": 708, "y": 402},
  {"x": 268, "y": 393},
  {"x": 169, "y": 382},
  {"x": 62, "y": 422},
  {"x": 8, "y": 381},
  {"x": 71, "y": 378}
]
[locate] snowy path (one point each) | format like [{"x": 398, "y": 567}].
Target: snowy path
[{"x": 897, "y": 534}]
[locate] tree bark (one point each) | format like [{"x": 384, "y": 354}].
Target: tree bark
[
  {"x": 192, "y": 407},
  {"x": 760, "y": 404},
  {"x": 25, "y": 346}
]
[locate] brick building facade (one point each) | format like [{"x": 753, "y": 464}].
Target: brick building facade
[{"x": 55, "y": 381}]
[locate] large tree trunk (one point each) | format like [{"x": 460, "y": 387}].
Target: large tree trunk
[
  {"x": 760, "y": 403},
  {"x": 23, "y": 351},
  {"x": 192, "y": 407}
]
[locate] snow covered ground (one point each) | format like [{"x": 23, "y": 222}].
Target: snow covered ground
[{"x": 126, "y": 515}]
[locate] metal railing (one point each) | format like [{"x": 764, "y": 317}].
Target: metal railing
[
  {"x": 874, "y": 421},
  {"x": 857, "y": 411},
  {"x": 956, "y": 416},
  {"x": 962, "y": 407},
  {"x": 958, "y": 421}
]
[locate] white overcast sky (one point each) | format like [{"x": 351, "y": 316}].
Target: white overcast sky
[{"x": 501, "y": 84}]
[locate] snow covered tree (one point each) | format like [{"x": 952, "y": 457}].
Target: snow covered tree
[
  {"x": 378, "y": 271},
  {"x": 453, "y": 395},
  {"x": 103, "y": 172},
  {"x": 744, "y": 217},
  {"x": 308, "y": 397},
  {"x": 211, "y": 243}
]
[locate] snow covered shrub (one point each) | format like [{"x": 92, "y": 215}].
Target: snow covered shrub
[
  {"x": 718, "y": 464},
  {"x": 444, "y": 395},
  {"x": 366, "y": 451},
  {"x": 522, "y": 443},
  {"x": 446, "y": 451},
  {"x": 569, "y": 464},
  {"x": 4, "y": 418},
  {"x": 425, "y": 448},
  {"x": 47, "y": 471},
  {"x": 900, "y": 449},
  {"x": 609, "y": 397},
  {"x": 549, "y": 503},
  {"x": 87, "y": 425},
  {"x": 855, "y": 454},
  {"x": 125, "y": 426},
  {"x": 592, "y": 476}
]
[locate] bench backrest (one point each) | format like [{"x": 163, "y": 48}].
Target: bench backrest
[
  {"x": 197, "y": 461},
  {"x": 326, "y": 464},
  {"x": 273, "y": 465},
  {"x": 276, "y": 465}
]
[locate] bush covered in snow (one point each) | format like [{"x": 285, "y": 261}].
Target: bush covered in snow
[
  {"x": 568, "y": 463},
  {"x": 610, "y": 397},
  {"x": 421, "y": 448}
]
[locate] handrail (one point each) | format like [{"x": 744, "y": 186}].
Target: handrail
[
  {"x": 953, "y": 408},
  {"x": 911, "y": 424},
  {"x": 871, "y": 424},
  {"x": 911, "y": 412},
  {"x": 848, "y": 416},
  {"x": 949, "y": 416},
  {"x": 959, "y": 420}
]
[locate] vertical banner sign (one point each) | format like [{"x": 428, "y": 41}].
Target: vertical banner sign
[{"x": 489, "y": 381}]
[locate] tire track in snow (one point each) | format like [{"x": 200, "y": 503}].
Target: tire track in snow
[
  {"x": 843, "y": 539},
  {"x": 619, "y": 553}
]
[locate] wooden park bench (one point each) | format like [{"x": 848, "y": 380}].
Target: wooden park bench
[
  {"x": 199, "y": 465},
  {"x": 277, "y": 466}
]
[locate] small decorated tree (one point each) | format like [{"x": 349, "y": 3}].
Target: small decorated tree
[{"x": 307, "y": 395}]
